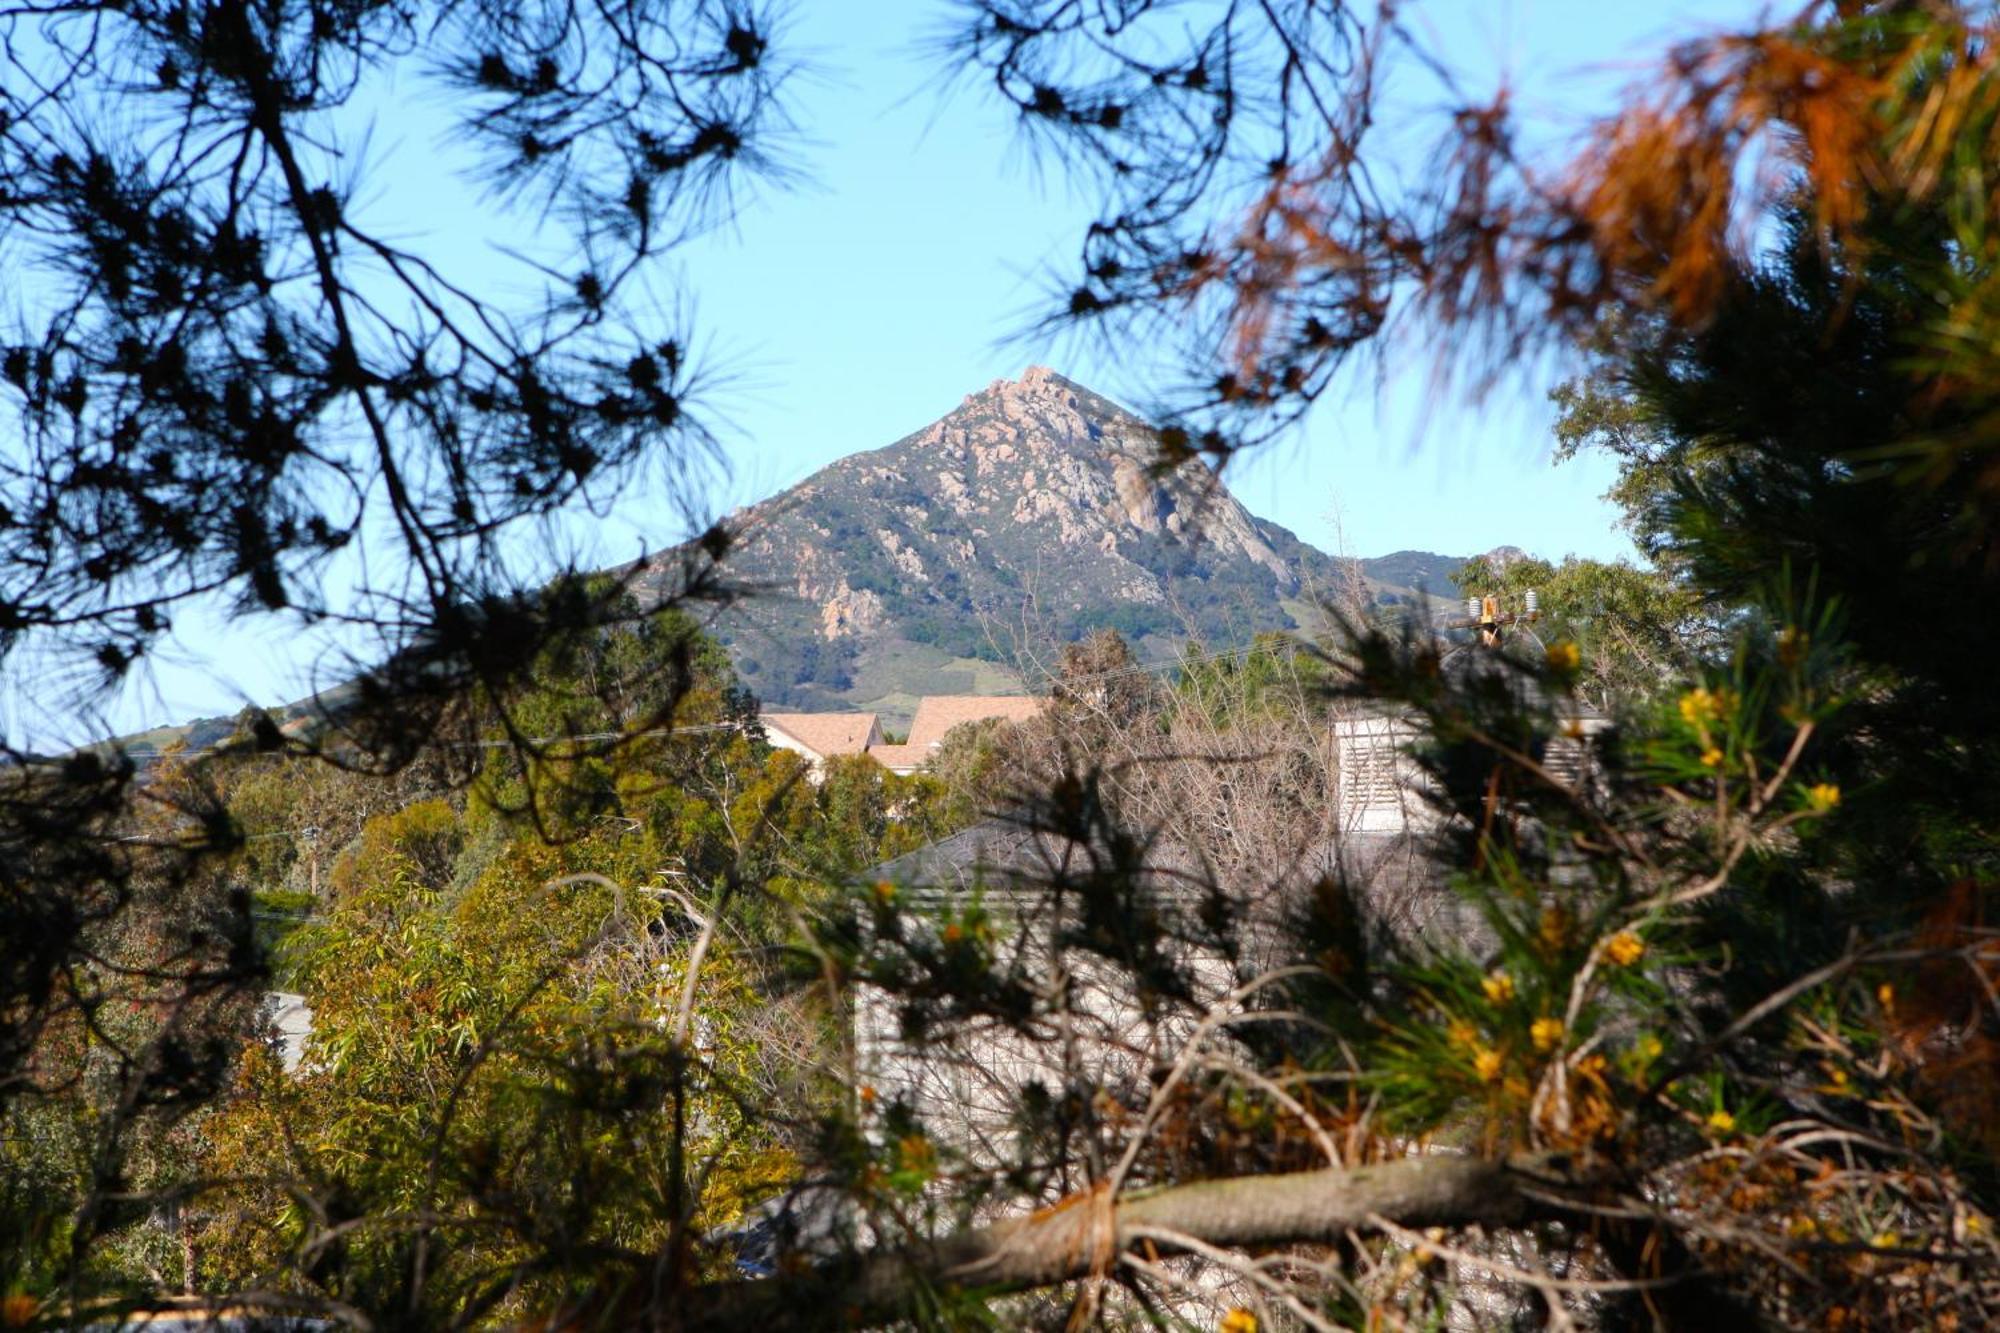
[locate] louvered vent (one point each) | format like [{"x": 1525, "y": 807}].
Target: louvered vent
[
  {"x": 1373, "y": 778},
  {"x": 1567, "y": 759},
  {"x": 1368, "y": 774}
]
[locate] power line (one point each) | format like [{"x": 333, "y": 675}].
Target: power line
[
  {"x": 1141, "y": 668},
  {"x": 203, "y": 752},
  {"x": 1181, "y": 662}
]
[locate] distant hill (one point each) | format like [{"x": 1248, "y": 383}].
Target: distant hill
[
  {"x": 1412, "y": 571},
  {"x": 1032, "y": 513}
]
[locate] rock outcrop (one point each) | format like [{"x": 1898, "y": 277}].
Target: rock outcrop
[{"x": 1035, "y": 503}]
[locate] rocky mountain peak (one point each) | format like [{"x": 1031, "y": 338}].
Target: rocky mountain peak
[
  {"x": 1035, "y": 498},
  {"x": 1036, "y": 413},
  {"x": 1036, "y": 382},
  {"x": 1070, "y": 455}
]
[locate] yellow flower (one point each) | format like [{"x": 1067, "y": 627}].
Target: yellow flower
[
  {"x": 1721, "y": 1121},
  {"x": 1885, "y": 1240},
  {"x": 1885, "y": 995},
  {"x": 1554, "y": 927},
  {"x": 1564, "y": 657},
  {"x": 1649, "y": 1048},
  {"x": 1462, "y": 1034},
  {"x": 1625, "y": 948},
  {"x": 1486, "y": 1063},
  {"x": 1592, "y": 1065},
  {"x": 1822, "y": 796},
  {"x": 1238, "y": 1320},
  {"x": 1711, "y": 758},
  {"x": 1701, "y": 706},
  {"x": 885, "y": 892},
  {"x": 1499, "y": 987},
  {"x": 1975, "y": 1225},
  {"x": 1547, "y": 1033}
]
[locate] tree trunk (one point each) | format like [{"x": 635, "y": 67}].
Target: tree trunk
[{"x": 1087, "y": 1233}]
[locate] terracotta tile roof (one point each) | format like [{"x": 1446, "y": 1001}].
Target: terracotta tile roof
[
  {"x": 939, "y": 713},
  {"x": 826, "y": 734},
  {"x": 900, "y": 758}
]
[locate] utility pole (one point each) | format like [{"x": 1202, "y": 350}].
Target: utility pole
[{"x": 1484, "y": 614}]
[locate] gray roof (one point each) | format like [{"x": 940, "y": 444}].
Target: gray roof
[{"x": 1005, "y": 855}]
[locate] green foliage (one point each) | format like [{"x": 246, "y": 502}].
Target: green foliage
[
  {"x": 503, "y": 1055},
  {"x": 1550, "y": 1022},
  {"x": 500, "y": 1067},
  {"x": 1233, "y": 689},
  {"x": 1728, "y": 975},
  {"x": 953, "y": 629},
  {"x": 1769, "y": 458},
  {"x": 496, "y": 984},
  {"x": 1637, "y": 630}
]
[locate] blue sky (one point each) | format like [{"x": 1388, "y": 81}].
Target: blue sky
[
  {"x": 896, "y": 276},
  {"x": 867, "y": 305}
]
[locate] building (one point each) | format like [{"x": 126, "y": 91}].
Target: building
[
  {"x": 964, "y": 1078},
  {"x": 937, "y": 714},
  {"x": 291, "y": 1020},
  {"x": 1381, "y": 842},
  {"x": 818, "y": 737}
]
